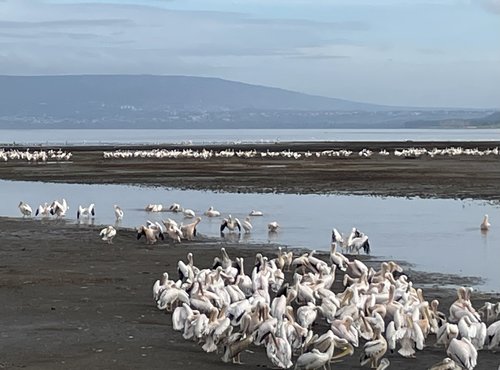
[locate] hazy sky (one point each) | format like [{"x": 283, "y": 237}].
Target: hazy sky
[{"x": 397, "y": 52}]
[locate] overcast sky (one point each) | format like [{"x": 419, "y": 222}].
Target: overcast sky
[{"x": 395, "y": 52}]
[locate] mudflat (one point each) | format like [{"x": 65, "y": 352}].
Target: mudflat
[
  {"x": 461, "y": 177},
  {"x": 71, "y": 301}
]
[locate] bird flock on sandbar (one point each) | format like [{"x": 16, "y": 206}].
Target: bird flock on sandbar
[
  {"x": 151, "y": 231},
  {"x": 254, "y": 153},
  {"x": 289, "y": 306},
  {"x": 35, "y": 156}
]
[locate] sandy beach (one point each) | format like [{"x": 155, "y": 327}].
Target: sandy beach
[{"x": 71, "y": 301}]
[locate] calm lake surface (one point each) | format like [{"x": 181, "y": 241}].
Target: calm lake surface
[
  {"x": 92, "y": 137},
  {"x": 434, "y": 234}
]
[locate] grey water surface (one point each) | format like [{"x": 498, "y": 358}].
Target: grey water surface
[
  {"x": 436, "y": 235},
  {"x": 216, "y": 136}
]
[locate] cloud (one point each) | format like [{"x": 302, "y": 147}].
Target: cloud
[
  {"x": 121, "y": 34},
  {"x": 492, "y": 6},
  {"x": 68, "y": 23}
]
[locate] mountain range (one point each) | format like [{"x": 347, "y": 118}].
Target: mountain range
[{"x": 147, "y": 101}]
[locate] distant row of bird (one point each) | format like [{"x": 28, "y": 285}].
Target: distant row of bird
[
  {"x": 60, "y": 155},
  {"x": 34, "y": 156},
  {"x": 230, "y": 153}
]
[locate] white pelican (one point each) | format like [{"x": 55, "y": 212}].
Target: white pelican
[
  {"x": 485, "y": 225},
  {"x": 236, "y": 344},
  {"x": 337, "y": 258},
  {"x": 59, "y": 208},
  {"x": 189, "y": 213},
  {"x": 118, "y": 213},
  {"x": 85, "y": 211},
  {"x": 211, "y": 212},
  {"x": 475, "y": 331},
  {"x": 161, "y": 284},
  {"x": 337, "y": 237},
  {"x": 108, "y": 233},
  {"x": 273, "y": 226},
  {"x": 463, "y": 353},
  {"x": 255, "y": 213},
  {"x": 314, "y": 359},
  {"x": 306, "y": 315},
  {"x": 490, "y": 312},
  {"x": 446, "y": 364},
  {"x": 189, "y": 231},
  {"x": 446, "y": 333},
  {"x": 345, "y": 329},
  {"x": 153, "y": 208},
  {"x": 175, "y": 233},
  {"x": 25, "y": 209},
  {"x": 357, "y": 241},
  {"x": 247, "y": 225},
  {"x": 374, "y": 350},
  {"x": 279, "y": 351},
  {"x": 494, "y": 335},
  {"x": 463, "y": 307},
  {"x": 231, "y": 223},
  {"x": 152, "y": 234},
  {"x": 175, "y": 207},
  {"x": 43, "y": 209}
]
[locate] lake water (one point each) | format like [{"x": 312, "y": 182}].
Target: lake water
[
  {"x": 91, "y": 137},
  {"x": 434, "y": 234}
]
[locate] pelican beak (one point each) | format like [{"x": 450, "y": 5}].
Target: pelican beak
[{"x": 347, "y": 350}]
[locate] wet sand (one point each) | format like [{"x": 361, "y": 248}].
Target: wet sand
[{"x": 70, "y": 301}]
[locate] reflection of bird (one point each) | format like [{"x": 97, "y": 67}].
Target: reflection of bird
[
  {"x": 485, "y": 225},
  {"x": 108, "y": 233},
  {"x": 85, "y": 211},
  {"x": 25, "y": 209},
  {"x": 118, "y": 213},
  {"x": 273, "y": 226}
]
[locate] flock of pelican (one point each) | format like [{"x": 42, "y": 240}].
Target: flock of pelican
[
  {"x": 152, "y": 231},
  {"x": 35, "y": 156},
  {"x": 287, "y": 305},
  {"x": 253, "y": 153}
]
